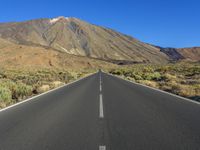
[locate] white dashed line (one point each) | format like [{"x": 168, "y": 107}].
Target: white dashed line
[
  {"x": 100, "y": 83},
  {"x": 101, "y": 115},
  {"x": 100, "y": 88},
  {"x": 102, "y": 147}
]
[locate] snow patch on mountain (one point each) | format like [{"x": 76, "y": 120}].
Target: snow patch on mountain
[{"x": 54, "y": 20}]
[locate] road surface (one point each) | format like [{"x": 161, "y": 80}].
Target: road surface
[{"x": 102, "y": 112}]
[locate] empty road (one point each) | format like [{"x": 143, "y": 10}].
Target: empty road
[{"x": 102, "y": 112}]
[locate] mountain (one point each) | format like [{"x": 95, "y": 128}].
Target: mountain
[{"x": 77, "y": 37}]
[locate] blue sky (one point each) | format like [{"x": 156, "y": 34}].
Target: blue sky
[{"x": 168, "y": 23}]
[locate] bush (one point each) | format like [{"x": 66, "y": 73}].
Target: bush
[
  {"x": 149, "y": 83},
  {"x": 148, "y": 69},
  {"x": 5, "y": 95},
  {"x": 56, "y": 84},
  {"x": 137, "y": 77},
  {"x": 43, "y": 88},
  {"x": 18, "y": 90},
  {"x": 22, "y": 90},
  {"x": 116, "y": 72},
  {"x": 183, "y": 90},
  {"x": 152, "y": 76},
  {"x": 169, "y": 77}
]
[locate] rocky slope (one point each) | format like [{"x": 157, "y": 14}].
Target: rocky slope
[{"x": 22, "y": 56}]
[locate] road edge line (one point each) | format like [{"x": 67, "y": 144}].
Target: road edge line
[
  {"x": 36, "y": 96},
  {"x": 184, "y": 98}
]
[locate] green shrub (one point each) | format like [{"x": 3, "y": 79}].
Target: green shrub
[
  {"x": 5, "y": 95},
  {"x": 22, "y": 90},
  {"x": 152, "y": 76},
  {"x": 148, "y": 69},
  {"x": 116, "y": 72},
  {"x": 8, "y": 84},
  {"x": 127, "y": 73},
  {"x": 137, "y": 77}
]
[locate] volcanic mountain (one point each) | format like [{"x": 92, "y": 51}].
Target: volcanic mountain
[{"x": 77, "y": 37}]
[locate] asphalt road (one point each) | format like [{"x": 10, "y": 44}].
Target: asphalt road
[{"x": 102, "y": 112}]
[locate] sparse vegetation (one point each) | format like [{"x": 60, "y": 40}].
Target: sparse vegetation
[
  {"x": 181, "y": 78},
  {"x": 16, "y": 85}
]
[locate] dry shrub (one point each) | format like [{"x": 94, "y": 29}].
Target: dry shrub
[
  {"x": 56, "y": 84},
  {"x": 149, "y": 83},
  {"x": 183, "y": 90},
  {"x": 166, "y": 88},
  {"x": 43, "y": 88},
  {"x": 131, "y": 79},
  {"x": 169, "y": 77}
]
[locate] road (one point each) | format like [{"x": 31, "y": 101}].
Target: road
[{"x": 102, "y": 112}]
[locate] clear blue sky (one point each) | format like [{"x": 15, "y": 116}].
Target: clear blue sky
[{"x": 168, "y": 23}]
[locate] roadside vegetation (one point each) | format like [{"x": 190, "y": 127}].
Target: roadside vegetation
[
  {"x": 17, "y": 85},
  {"x": 181, "y": 78}
]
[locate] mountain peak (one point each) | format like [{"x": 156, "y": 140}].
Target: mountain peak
[{"x": 54, "y": 20}]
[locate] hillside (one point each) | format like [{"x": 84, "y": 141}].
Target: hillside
[
  {"x": 191, "y": 54},
  {"x": 22, "y": 56}
]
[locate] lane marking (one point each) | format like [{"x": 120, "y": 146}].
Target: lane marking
[
  {"x": 100, "y": 84},
  {"x": 100, "y": 87},
  {"x": 52, "y": 90},
  {"x": 102, "y": 147},
  {"x": 101, "y": 115},
  {"x": 100, "y": 78}
]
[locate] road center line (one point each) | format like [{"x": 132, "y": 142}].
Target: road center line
[
  {"x": 100, "y": 84},
  {"x": 101, "y": 115},
  {"x": 100, "y": 88},
  {"x": 102, "y": 147}
]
